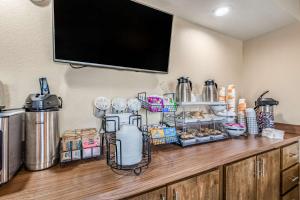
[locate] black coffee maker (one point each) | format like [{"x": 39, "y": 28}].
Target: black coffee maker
[{"x": 264, "y": 108}]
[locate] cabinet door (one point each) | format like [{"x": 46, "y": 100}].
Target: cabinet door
[
  {"x": 209, "y": 186},
  {"x": 184, "y": 190},
  {"x": 160, "y": 194},
  {"x": 241, "y": 180},
  {"x": 268, "y": 175}
]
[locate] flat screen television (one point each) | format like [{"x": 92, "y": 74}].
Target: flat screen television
[{"x": 119, "y": 34}]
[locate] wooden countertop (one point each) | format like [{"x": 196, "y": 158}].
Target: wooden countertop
[{"x": 95, "y": 180}]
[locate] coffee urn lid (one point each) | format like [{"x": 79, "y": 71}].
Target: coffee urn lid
[
  {"x": 209, "y": 82},
  {"x": 267, "y": 102},
  {"x": 183, "y": 79},
  {"x": 47, "y": 102},
  {"x": 262, "y": 101}
]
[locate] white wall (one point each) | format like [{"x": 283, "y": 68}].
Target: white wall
[
  {"x": 26, "y": 54},
  {"x": 272, "y": 62}
]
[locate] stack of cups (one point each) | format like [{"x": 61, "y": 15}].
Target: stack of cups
[
  {"x": 251, "y": 121},
  {"x": 222, "y": 95},
  {"x": 241, "y": 112},
  {"x": 231, "y": 98}
]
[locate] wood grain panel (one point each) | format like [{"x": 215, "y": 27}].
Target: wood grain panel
[
  {"x": 292, "y": 195},
  {"x": 290, "y": 178},
  {"x": 288, "y": 128},
  {"x": 241, "y": 180},
  {"x": 159, "y": 194},
  {"x": 209, "y": 186},
  {"x": 184, "y": 190},
  {"x": 289, "y": 155},
  {"x": 170, "y": 163},
  {"x": 268, "y": 177}
]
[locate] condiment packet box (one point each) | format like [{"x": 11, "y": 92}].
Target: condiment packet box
[
  {"x": 89, "y": 141},
  {"x": 86, "y": 153},
  {"x": 96, "y": 151},
  {"x": 71, "y": 143},
  {"x": 170, "y": 135},
  {"x": 86, "y": 131},
  {"x": 157, "y": 133},
  {"x": 65, "y": 156},
  {"x": 158, "y": 136},
  {"x": 76, "y": 155}
]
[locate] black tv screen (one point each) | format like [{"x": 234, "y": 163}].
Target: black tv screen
[{"x": 118, "y": 34}]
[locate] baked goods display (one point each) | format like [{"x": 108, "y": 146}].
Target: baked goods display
[
  {"x": 191, "y": 133},
  {"x": 195, "y": 116},
  {"x": 207, "y": 131}
]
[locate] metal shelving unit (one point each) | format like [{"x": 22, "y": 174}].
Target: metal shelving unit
[
  {"x": 214, "y": 122},
  {"x": 163, "y": 110}
]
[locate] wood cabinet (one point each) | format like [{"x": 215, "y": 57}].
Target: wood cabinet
[
  {"x": 203, "y": 187},
  {"x": 290, "y": 178},
  {"x": 209, "y": 186},
  {"x": 240, "y": 180},
  {"x": 289, "y": 155},
  {"x": 292, "y": 195},
  {"x": 159, "y": 194},
  {"x": 268, "y": 175},
  {"x": 290, "y": 171},
  {"x": 184, "y": 190},
  {"x": 257, "y": 177}
]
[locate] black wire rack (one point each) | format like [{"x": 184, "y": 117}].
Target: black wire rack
[
  {"x": 79, "y": 158},
  {"x": 114, "y": 154},
  {"x": 113, "y": 146},
  {"x": 142, "y": 97},
  {"x": 165, "y": 140},
  {"x": 163, "y": 110}
]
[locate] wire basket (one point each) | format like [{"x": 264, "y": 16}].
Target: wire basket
[
  {"x": 114, "y": 154},
  {"x": 164, "y": 140},
  {"x": 79, "y": 154},
  {"x": 142, "y": 97}
]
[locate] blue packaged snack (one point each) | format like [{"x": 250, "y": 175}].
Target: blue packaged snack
[{"x": 170, "y": 135}]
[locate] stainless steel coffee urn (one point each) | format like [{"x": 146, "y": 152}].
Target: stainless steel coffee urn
[
  {"x": 183, "y": 90},
  {"x": 42, "y": 131},
  {"x": 11, "y": 138}
]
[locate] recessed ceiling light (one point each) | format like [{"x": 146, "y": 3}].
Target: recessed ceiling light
[{"x": 219, "y": 12}]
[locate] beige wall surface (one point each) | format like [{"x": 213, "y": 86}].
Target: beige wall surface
[
  {"x": 272, "y": 62},
  {"x": 26, "y": 54}
]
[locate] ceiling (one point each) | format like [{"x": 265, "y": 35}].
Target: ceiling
[{"x": 247, "y": 19}]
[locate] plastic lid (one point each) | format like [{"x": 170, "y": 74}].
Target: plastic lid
[
  {"x": 183, "y": 79},
  {"x": 210, "y": 82},
  {"x": 266, "y": 102}
]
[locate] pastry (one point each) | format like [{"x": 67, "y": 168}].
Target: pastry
[
  {"x": 187, "y": 136},
  {"x": 198, "y": 114}
]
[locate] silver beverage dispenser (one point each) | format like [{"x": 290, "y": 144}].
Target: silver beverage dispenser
[
  {"x": 11, "y": 138},
  {"x": 42, "y": 129},
  {"x": 183, "y": 90}
]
